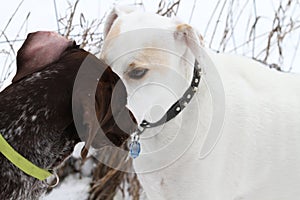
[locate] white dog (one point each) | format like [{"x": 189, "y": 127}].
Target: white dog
[{"x": 255, "y": 112}]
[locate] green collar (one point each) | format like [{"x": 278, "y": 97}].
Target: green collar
[{"x": 22, "y": 163}]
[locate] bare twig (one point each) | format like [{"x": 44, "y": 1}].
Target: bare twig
[
  {"x": 253, "y": 28},
  {"x": 231, "y": 24},
  {"x": 294, "y": 54},
  {"x": 217, "y": 23},
  {"x": 56, "y": 15},
  {"x": 9, "y": 44},
  {"x": 211, "y": 17},
  {"x": 280, "y": 30},
  {"x": 7, "y": 68},
  {"x": 285, "y": 23},
  {"x": 193, "y": 10},
  {"x": 169, "y": 9},
  {"x": 11, "y": 18},
  {"x": 69, "y": 25}
]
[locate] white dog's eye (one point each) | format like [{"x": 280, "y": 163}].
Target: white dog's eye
[{"x": 137, "y": 73}]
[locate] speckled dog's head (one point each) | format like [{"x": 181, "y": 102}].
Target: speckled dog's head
[{"x": 36, "y": 109}]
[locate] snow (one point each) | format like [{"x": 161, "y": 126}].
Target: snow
[
  {"x": 77, "y": 150},
  {"x": 72, "y": 188}
]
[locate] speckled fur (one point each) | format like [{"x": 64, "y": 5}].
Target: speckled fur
[
  {"x": 36, "y": 110},
  {"x": 36, "y": 119}
]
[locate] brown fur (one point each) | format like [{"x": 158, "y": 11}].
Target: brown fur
[{"x": 37, "y": 121}]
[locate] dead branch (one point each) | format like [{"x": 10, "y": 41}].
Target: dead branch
[{"x": 169, "y": 10}]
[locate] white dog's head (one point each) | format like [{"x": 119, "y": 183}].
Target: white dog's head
[{"x": 153, "y": 55}]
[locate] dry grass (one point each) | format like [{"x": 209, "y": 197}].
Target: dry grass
[
  {"x": 263, "y": 46},
  {"x": 168, "y": 8},
  {"x": 87, "y": 33},
  {"x": 107, "y": 181},
  {"x": 10, "y": 52}
]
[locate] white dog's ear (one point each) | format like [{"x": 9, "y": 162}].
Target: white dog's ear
[
  {"x": 118, "y": 11},
  {"x": 186, "y": 34},
  {"x": 190, "y": 37}
]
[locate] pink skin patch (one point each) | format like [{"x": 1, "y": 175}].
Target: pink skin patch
[{"x": 39, "y": 49}]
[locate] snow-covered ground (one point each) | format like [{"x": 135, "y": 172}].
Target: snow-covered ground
[
  {"x": 72, "y": 188},
  {"x": 76, "y": 186}
]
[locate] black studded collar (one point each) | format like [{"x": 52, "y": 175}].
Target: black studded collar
[
  {"x": 175, "y": 109},
  {"x": 179, "y": 105}
]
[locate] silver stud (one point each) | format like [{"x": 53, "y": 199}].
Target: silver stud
[
  {"x": 188, "y": 96},
  {"x": 148, "y": 126},
  {"x": 196, "y": 80},
  {"x": 178, "y": 109},
  {"x": 195, "y": 89},
  {"x": 185, "y": 104}
]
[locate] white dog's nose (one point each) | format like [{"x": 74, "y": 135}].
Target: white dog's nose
[{"x": 151, "y": 109}]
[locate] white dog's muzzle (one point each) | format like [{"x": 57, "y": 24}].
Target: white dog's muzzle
[{"x": 172, "y": 112}]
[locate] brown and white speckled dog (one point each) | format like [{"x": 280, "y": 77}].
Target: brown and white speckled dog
[{"x": 36, "y": 109}]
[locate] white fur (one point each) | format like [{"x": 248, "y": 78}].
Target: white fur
[{"x": 258, "y": 153}]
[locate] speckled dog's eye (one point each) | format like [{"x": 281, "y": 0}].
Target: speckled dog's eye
[{"x": 137, "y": 73}]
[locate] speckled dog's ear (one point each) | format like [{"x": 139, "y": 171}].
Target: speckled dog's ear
[
  {"x": 39, "y": 49},
  {"x": 106, "y": 120}
]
